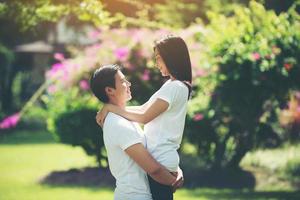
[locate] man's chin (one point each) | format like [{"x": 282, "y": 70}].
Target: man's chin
[{"x": 129, "y": 98}]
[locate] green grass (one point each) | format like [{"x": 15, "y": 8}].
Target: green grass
[
  {"x": 272, "y": 159},
  {"x": 26, "y": 157},
  {"x": 269, "y": 167}
]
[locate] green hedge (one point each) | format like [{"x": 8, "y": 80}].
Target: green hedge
[{"x": 79, "y": 128}]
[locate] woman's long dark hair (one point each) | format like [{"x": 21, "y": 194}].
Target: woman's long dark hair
[{"x": 175, "y": 55}]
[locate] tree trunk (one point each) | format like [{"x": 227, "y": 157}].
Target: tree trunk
[
  {"x": 220, "y": 152},
  {"x": 238, "y": 156},
  {"x": 245, "y": 144}
]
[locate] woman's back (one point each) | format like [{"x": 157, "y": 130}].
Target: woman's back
[{"x": 164, "y": 133}]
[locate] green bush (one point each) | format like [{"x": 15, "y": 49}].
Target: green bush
[
  {"x": 79, "y": 128},
  {"x": 70, "y": 115},
  {"x": 256, "y": 56}
]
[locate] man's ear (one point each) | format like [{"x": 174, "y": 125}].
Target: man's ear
[{"x": 109, "y": 91}]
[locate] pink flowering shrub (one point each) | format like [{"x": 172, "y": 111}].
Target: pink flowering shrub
[
  {"x": 10, "y": 121},
  {"x": 131, "y": 48}
]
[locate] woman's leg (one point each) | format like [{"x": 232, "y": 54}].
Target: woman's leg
[{"x": 160, "y": 191}]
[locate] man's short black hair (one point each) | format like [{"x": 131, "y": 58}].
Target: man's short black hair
[{"x": 102, "y": 78}]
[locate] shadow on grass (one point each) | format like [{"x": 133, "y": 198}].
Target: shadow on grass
[
  {"x": 197, "y": 175},
  {"x": 94, "y": 188},
  {"x": 90, "y": 176},
  {"x": 94, "y": 179},
  {"x": 20, "y": 136}
]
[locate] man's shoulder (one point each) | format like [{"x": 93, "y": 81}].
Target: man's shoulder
[
  {"x": 112, "y": 117},
  {"x": 113, "y": 121}
]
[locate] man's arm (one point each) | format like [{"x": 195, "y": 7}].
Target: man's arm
[{"x": 142, "y": 157}]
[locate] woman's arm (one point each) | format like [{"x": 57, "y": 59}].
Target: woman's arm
[
  {"x": 151, "y": 112},
  {"x": 140, "y": 108}
]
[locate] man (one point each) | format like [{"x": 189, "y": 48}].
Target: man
[{"x": 129, "y": 161}]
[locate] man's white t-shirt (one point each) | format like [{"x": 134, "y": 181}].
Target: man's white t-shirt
[
  {"x": 131, "y": 180},
  {"x": 164, "y": 133}
]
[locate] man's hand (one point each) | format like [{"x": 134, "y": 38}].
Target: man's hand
[
  {"x": 179, "y": 179},
  {"x": 101, "y": 115}
]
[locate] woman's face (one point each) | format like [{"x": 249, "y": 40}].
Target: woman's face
[{"x": 160, "y": 64}]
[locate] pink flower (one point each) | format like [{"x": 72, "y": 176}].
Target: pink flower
[
  {"x": 198, "y": 117},
  {"x": 59, "y": 56},
  {"x": 146, "y": 75},
  {"x": 51, "y": 89},
  {"x": 122, "y": 53},
  {"x": 93, "y": 50},
  {"x": 10, "y": 121},
  {"x": 200, "y": 73},
  {"x": 84, "y": 85},
  {"x": 55, "y": 68},
  {"x": 297, "y": 95},
  {"x": 95, "y": 34},
  {"x": 255, "y": 56}
]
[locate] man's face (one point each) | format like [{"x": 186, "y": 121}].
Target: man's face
[{"x": 122, "y": 90}]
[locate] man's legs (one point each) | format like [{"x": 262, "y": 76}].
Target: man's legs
[{"x": 160, "y": 191}]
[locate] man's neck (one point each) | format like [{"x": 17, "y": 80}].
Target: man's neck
[{"x": 117, "y": 103}]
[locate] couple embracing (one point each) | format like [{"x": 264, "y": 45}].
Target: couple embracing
[{"x": 145, "y": 163}]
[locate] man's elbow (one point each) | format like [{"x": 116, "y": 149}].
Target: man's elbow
[{"x": 144, "y": 119}]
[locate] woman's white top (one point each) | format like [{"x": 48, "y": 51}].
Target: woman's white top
[{"x": 164, "y": 133}]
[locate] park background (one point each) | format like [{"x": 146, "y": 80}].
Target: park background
[{"x": 242, "y": 132}]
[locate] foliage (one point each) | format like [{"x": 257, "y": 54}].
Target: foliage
[
  {"x": 65, "y": 101},
  {"x": 289, "y": 117},
  {"x": 79, "y": 128},
  {"x": 66, "y": 111},
  {"x": 30, "y": 13},
  {"x": 187, "y": 11},
  {"x": 227, "y": 7},
  {"x": 252, "y": 51},
  {"x": 6, "y": 59}
]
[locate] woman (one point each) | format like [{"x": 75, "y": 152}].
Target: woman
[{"x": 164, "y": 113}]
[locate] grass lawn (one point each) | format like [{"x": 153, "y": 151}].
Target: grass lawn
[{"x": 26, "y": 157}]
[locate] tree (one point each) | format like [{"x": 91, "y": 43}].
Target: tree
[{"x": 253, "y": 51}]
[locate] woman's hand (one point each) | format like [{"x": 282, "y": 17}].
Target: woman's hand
[
  {"x": 179, "y": 179},
  {"x": 101, "y": 115}
]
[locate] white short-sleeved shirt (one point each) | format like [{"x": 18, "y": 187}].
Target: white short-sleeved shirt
[
  {"x": 164, "y": 133},
  {"x": 131, "y": 180}
]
